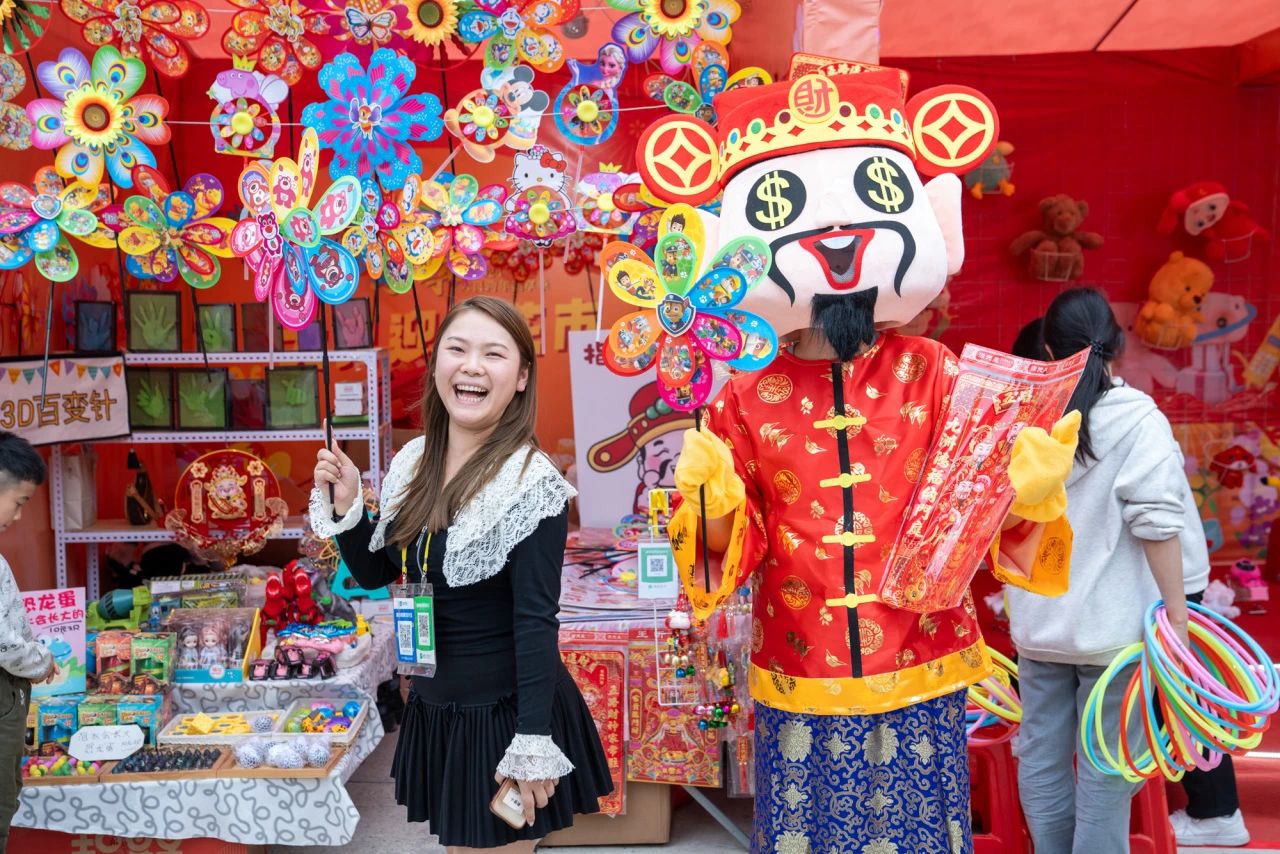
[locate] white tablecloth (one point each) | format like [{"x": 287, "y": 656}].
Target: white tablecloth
[{"x": 316, "y": 811}]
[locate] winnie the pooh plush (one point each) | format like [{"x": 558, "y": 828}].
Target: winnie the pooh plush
[
  {"x": 1057, "y": 251},
  {"x": 1169, "y": 317}
]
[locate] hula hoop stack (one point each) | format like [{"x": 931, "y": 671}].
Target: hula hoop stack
[{"x": 994, "y": 711}]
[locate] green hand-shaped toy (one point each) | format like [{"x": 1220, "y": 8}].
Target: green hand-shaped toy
[
  {"x": 216, "y": 338},
  {"x": 293, "y": 393},
  {"x": 151, "y": 401},
  {"x": 200, "y": 403},
  {"x": 156, "y": 325}
]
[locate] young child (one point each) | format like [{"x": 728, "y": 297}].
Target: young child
[{"x": 23, "y": 660}]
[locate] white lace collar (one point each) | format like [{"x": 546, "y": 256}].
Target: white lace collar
[{"x": 502, "y": 514}]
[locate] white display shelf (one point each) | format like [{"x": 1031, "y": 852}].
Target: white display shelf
[
  {"x": 377, "y": 381},
  {"x": 166, "y": 437}
]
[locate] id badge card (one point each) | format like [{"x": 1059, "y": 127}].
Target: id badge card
[{"x": 413, "y": 613}]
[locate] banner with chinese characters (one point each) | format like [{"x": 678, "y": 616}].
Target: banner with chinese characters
[
  {"x": 57, "y": 621},
  {"x": 84, "y": 399}
]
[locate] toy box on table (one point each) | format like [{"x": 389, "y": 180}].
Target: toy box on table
[
  {"x": 220, "y": 727},
  {"x": 214, "y": 644},
  {"x": 209, "y": 590},
  {"x": 339, "y": 719}
]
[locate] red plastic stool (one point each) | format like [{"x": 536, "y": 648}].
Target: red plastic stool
[
  {"x": 1149, "y": 828},
  {"x": 998, "y": 826}
]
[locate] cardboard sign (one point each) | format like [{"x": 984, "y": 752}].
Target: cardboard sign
[
  {"x": 57, "y": 621},
  {"x": 97, "y": 743},
  {"x": 85, "y": 398}
]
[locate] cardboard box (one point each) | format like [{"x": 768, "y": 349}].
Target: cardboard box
[
  {"x": 648, "y": 821},
  {"x": 149, "y": 711},
  {"x": 152, "y": 660},
  {"x": 113, "y": 657},
  {"x": 99, "y": 710},
  {"x": 233, "y": 623},
  {"x": 56, "y": 718}
]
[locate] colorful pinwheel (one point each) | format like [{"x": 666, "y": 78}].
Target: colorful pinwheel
[
  {"x": 506, "y": 110},
  {"x": 283, "y": 240},
  {"x": 517, "y": 31},
  {"x": 371, "y": 121},
  {"x": 709, "y": 69},
  {"x": 359, "y": 26},
  {"x": 34, "y": 222},
  {"x": 174, "y": 233},
  {"x": 277, "y": 35},
  {"x": 458, "y": 212},
  {"x": 379, "y": 238},
  {"x": 15, "y": 127},
  {"x": 686, "y": 322},
  {"x": 538, "y": 208},
  {"x": 22, "y": 24},
  {"x": 672, "y": 28},
  {"x": 596, "y": 207},
  {"x": 431, "y": 23},
  {"x": 586, "y": 110},
  {"x": 246, "y": 120},
  {"x": 96, "y": 117},
  {"x": 158, "y": 28}
]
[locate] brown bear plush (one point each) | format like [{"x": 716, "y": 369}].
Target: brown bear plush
[{"x": 1057, "y": 252}]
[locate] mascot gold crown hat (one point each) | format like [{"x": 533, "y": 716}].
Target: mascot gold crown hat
[{"x": 827, "y": 167}]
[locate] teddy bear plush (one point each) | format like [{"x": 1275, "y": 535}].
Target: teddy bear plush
[
  {"x": 1057, "y": 250},
  {"x": 1169, "y": 317}
]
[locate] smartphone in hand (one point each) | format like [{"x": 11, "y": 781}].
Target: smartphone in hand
[{"x": 508, "y": 805}]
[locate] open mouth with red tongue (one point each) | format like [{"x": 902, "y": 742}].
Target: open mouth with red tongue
[{"x": 840, "y": 254}]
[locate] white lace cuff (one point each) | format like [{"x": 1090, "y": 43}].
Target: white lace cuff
[
  {"x": 534, "y": 757},
  {"x": 320, "y": 514}
]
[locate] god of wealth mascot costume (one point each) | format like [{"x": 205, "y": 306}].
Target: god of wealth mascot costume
[{"x": 806, "y": 467}]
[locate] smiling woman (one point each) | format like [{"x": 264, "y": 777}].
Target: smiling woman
[{"x": 476, "y": 509}]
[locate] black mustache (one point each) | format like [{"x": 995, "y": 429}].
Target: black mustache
[{"x": 904, "y": 263}]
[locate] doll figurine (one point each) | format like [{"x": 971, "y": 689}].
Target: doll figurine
[
  {"x": 188, "y": 649},
  {"x": 212, "y": 650}
]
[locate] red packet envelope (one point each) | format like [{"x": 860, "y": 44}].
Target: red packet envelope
[{"x": 964, "y": 495}]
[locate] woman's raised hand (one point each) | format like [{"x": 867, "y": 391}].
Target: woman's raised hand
[{"x": 333, "y": 466}]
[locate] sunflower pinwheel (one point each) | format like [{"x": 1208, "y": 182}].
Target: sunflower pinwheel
[
  {"x": 597, "y": 209},
  {"x": 277, "y": 35},
  {"x": 506, "y": 110},
  {"x": 96, "y": 117},
  {"x": 155, "y": 30},
  {"x": 22, "y": 24},
  {"x": 687, "y": 320},
  {"x": 459, "y": 212},
  {"x": 672, "y": 28},
  {"x": 709, "y": 70},
  {"x": 176, "y": 233},
  {"x": 518, "y": 31},
  {"x": 282, "y": 237},
  {"x": 35, "y": 220},
  {"x": 15, "y": 127},
  {"x": 382, "y": 239},
  {"x": 370, "y": 121}
]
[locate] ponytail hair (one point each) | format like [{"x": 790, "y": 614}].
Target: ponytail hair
[{"x": 1081, "y": 319}]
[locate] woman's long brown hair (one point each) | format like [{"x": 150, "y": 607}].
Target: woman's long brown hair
[{"x": 430, "y": 503}]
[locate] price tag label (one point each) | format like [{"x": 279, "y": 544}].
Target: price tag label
[{"x": 96, "y": 743}]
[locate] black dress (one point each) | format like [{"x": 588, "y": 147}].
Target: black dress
[{"x": 498, "y": 673}]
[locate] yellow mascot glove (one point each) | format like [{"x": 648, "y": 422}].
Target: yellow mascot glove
[
  {"x": 1039, "y": 467},
  {"x": 705, "y": 461}
]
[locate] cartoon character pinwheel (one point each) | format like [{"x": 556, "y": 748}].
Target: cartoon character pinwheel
[
  {"x": 505, "y": 111},
  {"x": 154, "y": 30},
  {"x": 276, "y": 35},
  {"x": 15, "y": 126},
  {"x": 35, "y": 220},
  {"x": 586, "y": 110},
  {"x": 458, "y": 212},
  {"x": 519, "y": 31},
  {"x": 686, "y": 320},
  {"x": 283, "y": 239},
  {"x": 96, "y": 118},
  {"x": 370, "y": 121},
  {"x": 672, "y": 28},
  {"x": 709, "y": 70},
  {"x": 596, "y": 207},
  {"x": 176, "y": 233},
  {"x": 390, "y": 247},
  {"x": 246, "y": 119}
]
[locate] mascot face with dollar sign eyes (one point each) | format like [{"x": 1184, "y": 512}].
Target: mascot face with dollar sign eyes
[
  {"x": 844, "y": 221},
  {"x": 826, "y": 168}
]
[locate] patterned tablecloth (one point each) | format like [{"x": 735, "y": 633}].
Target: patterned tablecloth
[{"x": 248, "y": 811}]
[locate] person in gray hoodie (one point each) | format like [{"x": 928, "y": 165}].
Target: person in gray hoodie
[{"x": 1128, "y": 501}]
